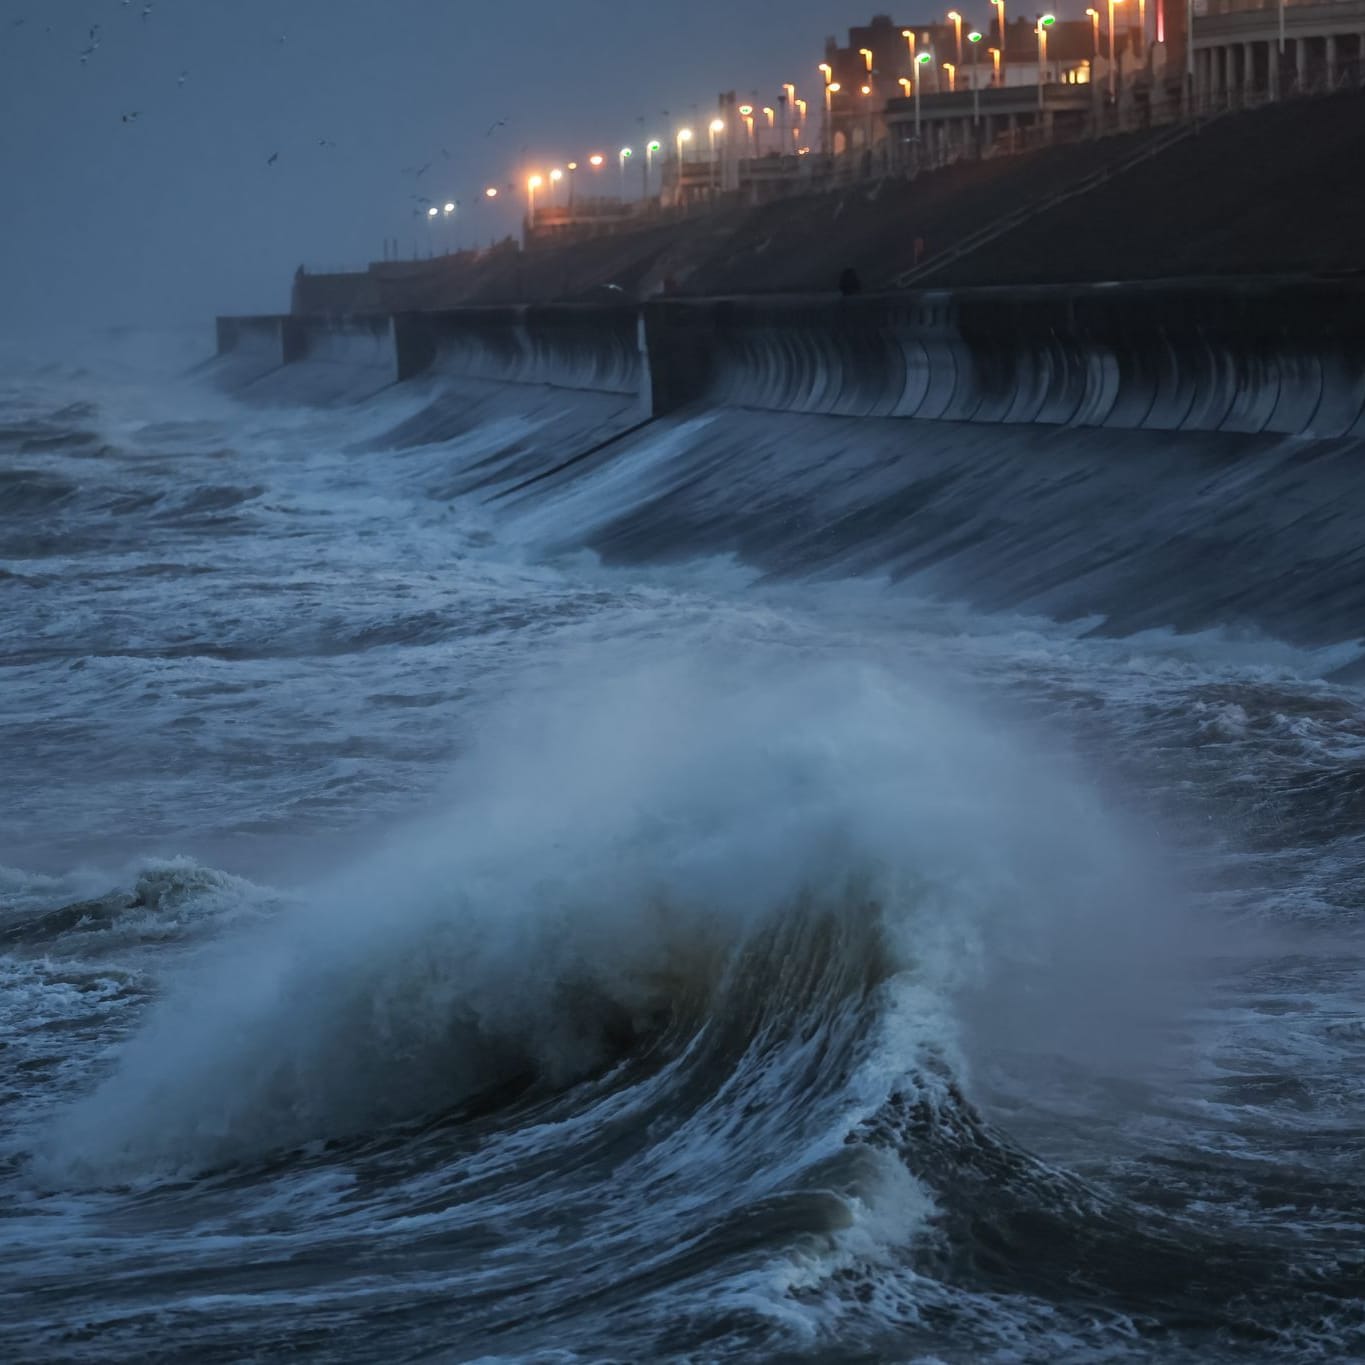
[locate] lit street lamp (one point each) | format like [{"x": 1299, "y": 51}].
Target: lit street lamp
[
  {"x": 906, "y": 84},
  {"x": 556, "y": 176},
  {"x": 491, "y": 192},
  {"x": 1045, "y": 22},
  {"x": 684, "y": 137},
  {"x": 1113, "y": 73},
  {"x": 1000, "y": 13},
  {"x": 957, "y": 31},
  {"x": 623, "y": 156},
  {"x": 866, "y": 54},
  {"x": 652, "y": 149},
  {"x": 922, "y": 59},
  {"x": 1094, "y": 16},
  {"x": 532, "y": 185},
  {"x": 951, "y": 69},
  {"x": 1142, "y": 29},
  {"x": 716, "y": 128},
  {"x": 746, "y": 113},
  {"x": 974, "y": 38},
  {"x": 597, "y": 161},
  {"x": 827, "y": 72},
  {"x": 995, "y": 65}
]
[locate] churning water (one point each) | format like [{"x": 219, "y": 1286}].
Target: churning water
[{"x": 778, "y": 890}]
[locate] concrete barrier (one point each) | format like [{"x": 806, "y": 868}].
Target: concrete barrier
[
  {"x": 1282, "y": 357},
  {"x": 1235, "y": 357}
]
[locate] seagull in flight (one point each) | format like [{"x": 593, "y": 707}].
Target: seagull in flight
[
  {"x": 272, "y": 158},
  {"x": 325, "y": 142},
  {"x": 182, "y": 78},
  {"x": 493, "y": 128},
  {"x": 131, "y": 116}
]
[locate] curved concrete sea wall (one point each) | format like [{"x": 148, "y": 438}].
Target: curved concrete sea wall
[
  {"x": 1285, "y": 358},
  {"x": 1275, "y": 357},
  {"x": 565, "y": 346}
]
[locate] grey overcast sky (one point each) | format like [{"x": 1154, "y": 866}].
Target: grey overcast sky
[{"x": 175, "y": 214}]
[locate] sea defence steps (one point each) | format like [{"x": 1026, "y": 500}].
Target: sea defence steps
[{"x": 1284, "y": 357}]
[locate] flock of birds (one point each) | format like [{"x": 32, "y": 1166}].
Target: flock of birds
[{"x": 131, "y": 116}]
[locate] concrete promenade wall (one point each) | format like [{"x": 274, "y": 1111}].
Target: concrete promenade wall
[{"x": 1266, "y": 356}]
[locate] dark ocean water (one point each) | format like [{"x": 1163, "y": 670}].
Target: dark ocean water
[{"x": 718, "y": 905}]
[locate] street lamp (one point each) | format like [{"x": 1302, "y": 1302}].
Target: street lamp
[
  {"x": 573, "y": 166},
  {"x": 684, "y": 137},
  {"x": 596, "y": 161},
  {"x": 746, "y": 113},
  {"x": 1094, "y": 16},
  {"x": 905, "y": 84},
  {"x": 995, "y": 65},
  {"x": 716, "y": 129},
  {"x": 866, "y": 54},
  {"x": 951, "y": 69},
  {"x": 532, "y": 185},
  {"x": 974, "y": 38},
  {"x": 652, "y": 149},
  {"x": 556, "y": 176},
  {"x": 1142, "y": 29},
  {"x": 491, "y": 192},
  {"x": 1113, "y": 73},
  {"x": 623, "y": 156},
  {"x": 1045, "y": 22},
  {"x": 827, "y": 72},
  {"x": 957, "y": 30},
  {"x": 1000, "y": 12},
  {"x": 921, "y": 59}
]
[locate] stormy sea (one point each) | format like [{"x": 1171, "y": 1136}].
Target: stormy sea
[{"x": 779, "y": 889}]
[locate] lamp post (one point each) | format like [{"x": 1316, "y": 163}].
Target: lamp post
[
  {"x": 533, "y": 183},
  {"x": 556, "y": 176},
  {"x": 1113, "y": 72},
  {"x": 866, "y": 54},
  {"x": 716, "y": 128},
  {"x": 623, "y": 156},
  {"x": 684, "y": 137},
  {"x": 746, "y": 114},
  {"x": 1142, "y": 29},
  {"x": 974, "y": 38},
  {"x": 1094, "y": 16},
  {"x": 956, "y": 19},
  {"x": 951, "y": 69},
  {"x": 652, "y": 149},
  {"x": 906, "y": 84},
  {"x": 995, "y": 65},
  {"x": 1000, "y": 14},
  {"x": 922, "y": 59},
  {"x": 826, "y": 142},
  {"x": 1045, "y": 22}
]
